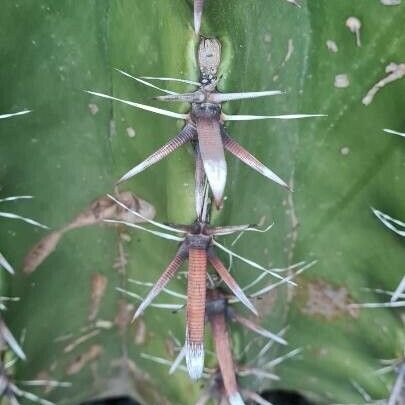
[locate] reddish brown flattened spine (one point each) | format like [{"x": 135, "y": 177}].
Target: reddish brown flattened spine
[
  {"x": 170, "y": 271},
  {"x": 198, "y": 4},
  {"x": 184, "y": 136},
  {"x": 199, "y": 182},
  {"x": 196, "y": 293},
  {"x": 241, "y": 152},
  {"x": 209, "y": 139},
  {"x": 247, "y": 158},
  {"x": 229, "y": 280},
  {"x": 224, "y": 354},
  {"x": 163, "y": 280},
  {"x": 212, "y": 154}
]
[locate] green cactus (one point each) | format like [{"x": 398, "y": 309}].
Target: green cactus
[{"x": 70, "y": 150}]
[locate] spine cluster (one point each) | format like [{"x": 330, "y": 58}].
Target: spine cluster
[{"x": 206, "y": 301}]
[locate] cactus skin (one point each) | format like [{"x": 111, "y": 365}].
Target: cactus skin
[{"x": 66, "y": 157}]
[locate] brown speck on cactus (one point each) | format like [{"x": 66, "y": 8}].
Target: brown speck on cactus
[
  {"x": 8, "y": 215},
  {"x": 89, "y": 356},
  {"x": 328, "y": 302},
  {"x": 124, "y": 314},
  {"x": 80, "y": 340},
  {"x": 98, "y": 283},
  {"x": 100, "y": 209},
  {"x": 140, "y": 332},
  {"x": 395, "y": 72}
]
